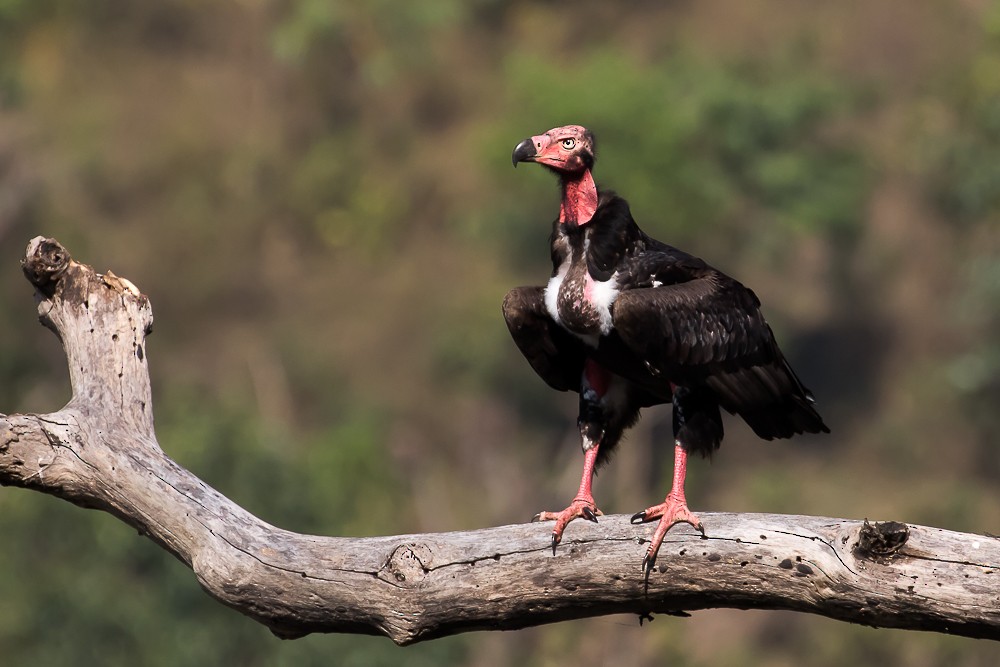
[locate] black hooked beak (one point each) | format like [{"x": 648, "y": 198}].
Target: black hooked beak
[{"x": 523, "y": 152}]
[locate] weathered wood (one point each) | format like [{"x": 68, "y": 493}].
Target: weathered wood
[{"x": 100, "y": 451}]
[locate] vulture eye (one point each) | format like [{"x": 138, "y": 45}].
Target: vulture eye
[{"x": 568, "y": 143}]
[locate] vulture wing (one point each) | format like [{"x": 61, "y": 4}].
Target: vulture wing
[
  {"x": 555, "y": 354},
  {"x": 705, "y": 329}
]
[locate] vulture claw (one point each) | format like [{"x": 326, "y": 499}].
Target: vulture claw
[
  {"x": 580, "y": 507},
  {"x": 648, "y": 561},
  {"x": 638, "y": 517},
  {"x": 536, "y": 518}
]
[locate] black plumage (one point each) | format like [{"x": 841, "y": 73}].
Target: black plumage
[
  {"x": 629, "y": 322},
  {"x": 697, "y": 328}
]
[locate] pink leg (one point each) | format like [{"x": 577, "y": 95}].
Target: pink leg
[
  {"x": 672, "y": 510},
  {"x": 583, "y": 504}
]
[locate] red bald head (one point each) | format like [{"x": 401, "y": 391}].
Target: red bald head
[{"x": 568, "y": 150}]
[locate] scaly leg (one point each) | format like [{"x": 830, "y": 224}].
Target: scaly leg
[
  {"x": 582, "y": 505},
  {"x": 596, "y": 382},
  {"x": 672, "y": 510}
]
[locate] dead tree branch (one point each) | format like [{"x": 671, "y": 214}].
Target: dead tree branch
[{"x": 100, "y": 451}]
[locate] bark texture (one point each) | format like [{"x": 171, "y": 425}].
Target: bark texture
[{"x": 100, "y": 451}]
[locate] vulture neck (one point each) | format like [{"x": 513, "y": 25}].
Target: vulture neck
[{"x": 579, "y": 198}]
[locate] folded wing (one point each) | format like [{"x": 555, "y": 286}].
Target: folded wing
[
  {"x": 555, "y": 355},
  {"x": 708, "y": 331}
]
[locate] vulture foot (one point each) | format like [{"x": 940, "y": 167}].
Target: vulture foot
[
  {"x": 672, "y": 511},
  {"x": 580, "y": 507}
]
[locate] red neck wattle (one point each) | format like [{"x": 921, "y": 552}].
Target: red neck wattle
[{"x": 579, "y": 198}]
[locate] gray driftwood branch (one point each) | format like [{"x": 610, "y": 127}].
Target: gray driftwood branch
[{"x": 100, "y": 451}]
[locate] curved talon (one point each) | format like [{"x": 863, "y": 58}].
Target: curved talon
[
  {"x": 582, "y": 506},
  {"x": 648, "y": 561},
  {"x": 670, "y": 512},
  {"x": 536, "y": 518}
]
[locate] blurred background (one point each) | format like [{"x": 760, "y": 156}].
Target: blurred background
[{"x": 318, "y": 199}]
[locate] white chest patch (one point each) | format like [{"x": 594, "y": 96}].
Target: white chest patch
[
  {"x": 572, "y": 302},
  {"x": 552, "y": 291}
]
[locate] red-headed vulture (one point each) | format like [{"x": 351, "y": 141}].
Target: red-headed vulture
[{"x": 629, "y": 322}]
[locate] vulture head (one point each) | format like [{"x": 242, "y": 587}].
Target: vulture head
[{"x": 568, "y": 150}]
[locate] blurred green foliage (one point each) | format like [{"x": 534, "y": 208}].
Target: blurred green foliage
[
  {"x": 963, "y": 163},
  {"x": 317, "y": 197}
]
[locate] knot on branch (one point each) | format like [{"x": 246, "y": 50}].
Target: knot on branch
[
  {"x": 407, "y": 564},
  {"x": 881, "y": 539},
  {"x": 45, "y": 261}
]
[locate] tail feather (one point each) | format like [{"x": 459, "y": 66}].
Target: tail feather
[{"x": 770, "y": 398}]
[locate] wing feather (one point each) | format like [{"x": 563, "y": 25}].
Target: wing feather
[
  {"x": 554, "y": 354},
  {"x": 709, "y": 330},
  {"x": 708, "y": 321}
]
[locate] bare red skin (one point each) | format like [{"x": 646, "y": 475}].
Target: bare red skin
[
  {"x": 579, "y": 199},
  {"x": 550, "y": 150},
  {"x": 597, "y": 377}
]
